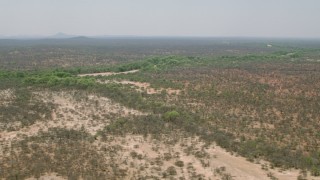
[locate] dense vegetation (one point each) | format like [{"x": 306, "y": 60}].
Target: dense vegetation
[{"x": 260, "y": 106}]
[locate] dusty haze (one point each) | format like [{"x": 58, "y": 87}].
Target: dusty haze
[{"x": 273, "y": 18}]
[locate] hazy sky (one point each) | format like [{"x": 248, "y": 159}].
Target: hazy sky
[{"x": 262, "y": 18}]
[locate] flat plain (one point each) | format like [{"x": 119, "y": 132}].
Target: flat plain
[{"x": 160, "y": 108}]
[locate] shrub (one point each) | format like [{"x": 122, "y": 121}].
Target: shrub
[
  {"x": 171, "y": 115},
  {"x": 171, "y": 171},
  {"x": 179, "y": 163}
]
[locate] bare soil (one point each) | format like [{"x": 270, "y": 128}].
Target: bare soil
[
  {"x": 88, "y": 111},
  {"x": 155, "y": 157},
  {"x": 146, "y": 87},
  {"x": 108, "y": 73}
]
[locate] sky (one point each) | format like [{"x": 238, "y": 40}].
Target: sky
[{"x": 216, "y": 18}]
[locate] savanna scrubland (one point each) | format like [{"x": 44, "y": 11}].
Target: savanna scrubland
[{"x": 159, "y": 109}]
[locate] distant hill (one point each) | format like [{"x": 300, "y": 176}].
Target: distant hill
[{"x": 61, "y": 35}]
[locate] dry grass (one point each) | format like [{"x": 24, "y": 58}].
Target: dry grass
[
  {"x": 73, "y": 110},
  {"x": 6, "y": 96}
]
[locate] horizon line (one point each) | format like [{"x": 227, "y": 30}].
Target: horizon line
[{"x": 70, "y": 36}]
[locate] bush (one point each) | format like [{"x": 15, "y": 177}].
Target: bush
[
  {"x": 171, "y": 115},
  {"x": 179, "y": 163},
  {"x": 171, "y": 171},
  {"x": 315, "y": 171}
]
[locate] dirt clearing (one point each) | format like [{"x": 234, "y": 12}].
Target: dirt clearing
[{"x": 108, "y": 73}]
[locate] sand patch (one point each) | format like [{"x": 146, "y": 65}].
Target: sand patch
[
  {"x": 108, "y": 73},
  {"x": 49, "y": 176},
  {"x": 74, "y": 111},
  {"x": 154, "y": 157},
  {"x": 145, "y": 87},
  {"x": 6, "y": 96}
]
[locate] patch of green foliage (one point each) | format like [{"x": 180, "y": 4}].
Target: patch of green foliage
[{"x": 171, "y": 115}]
